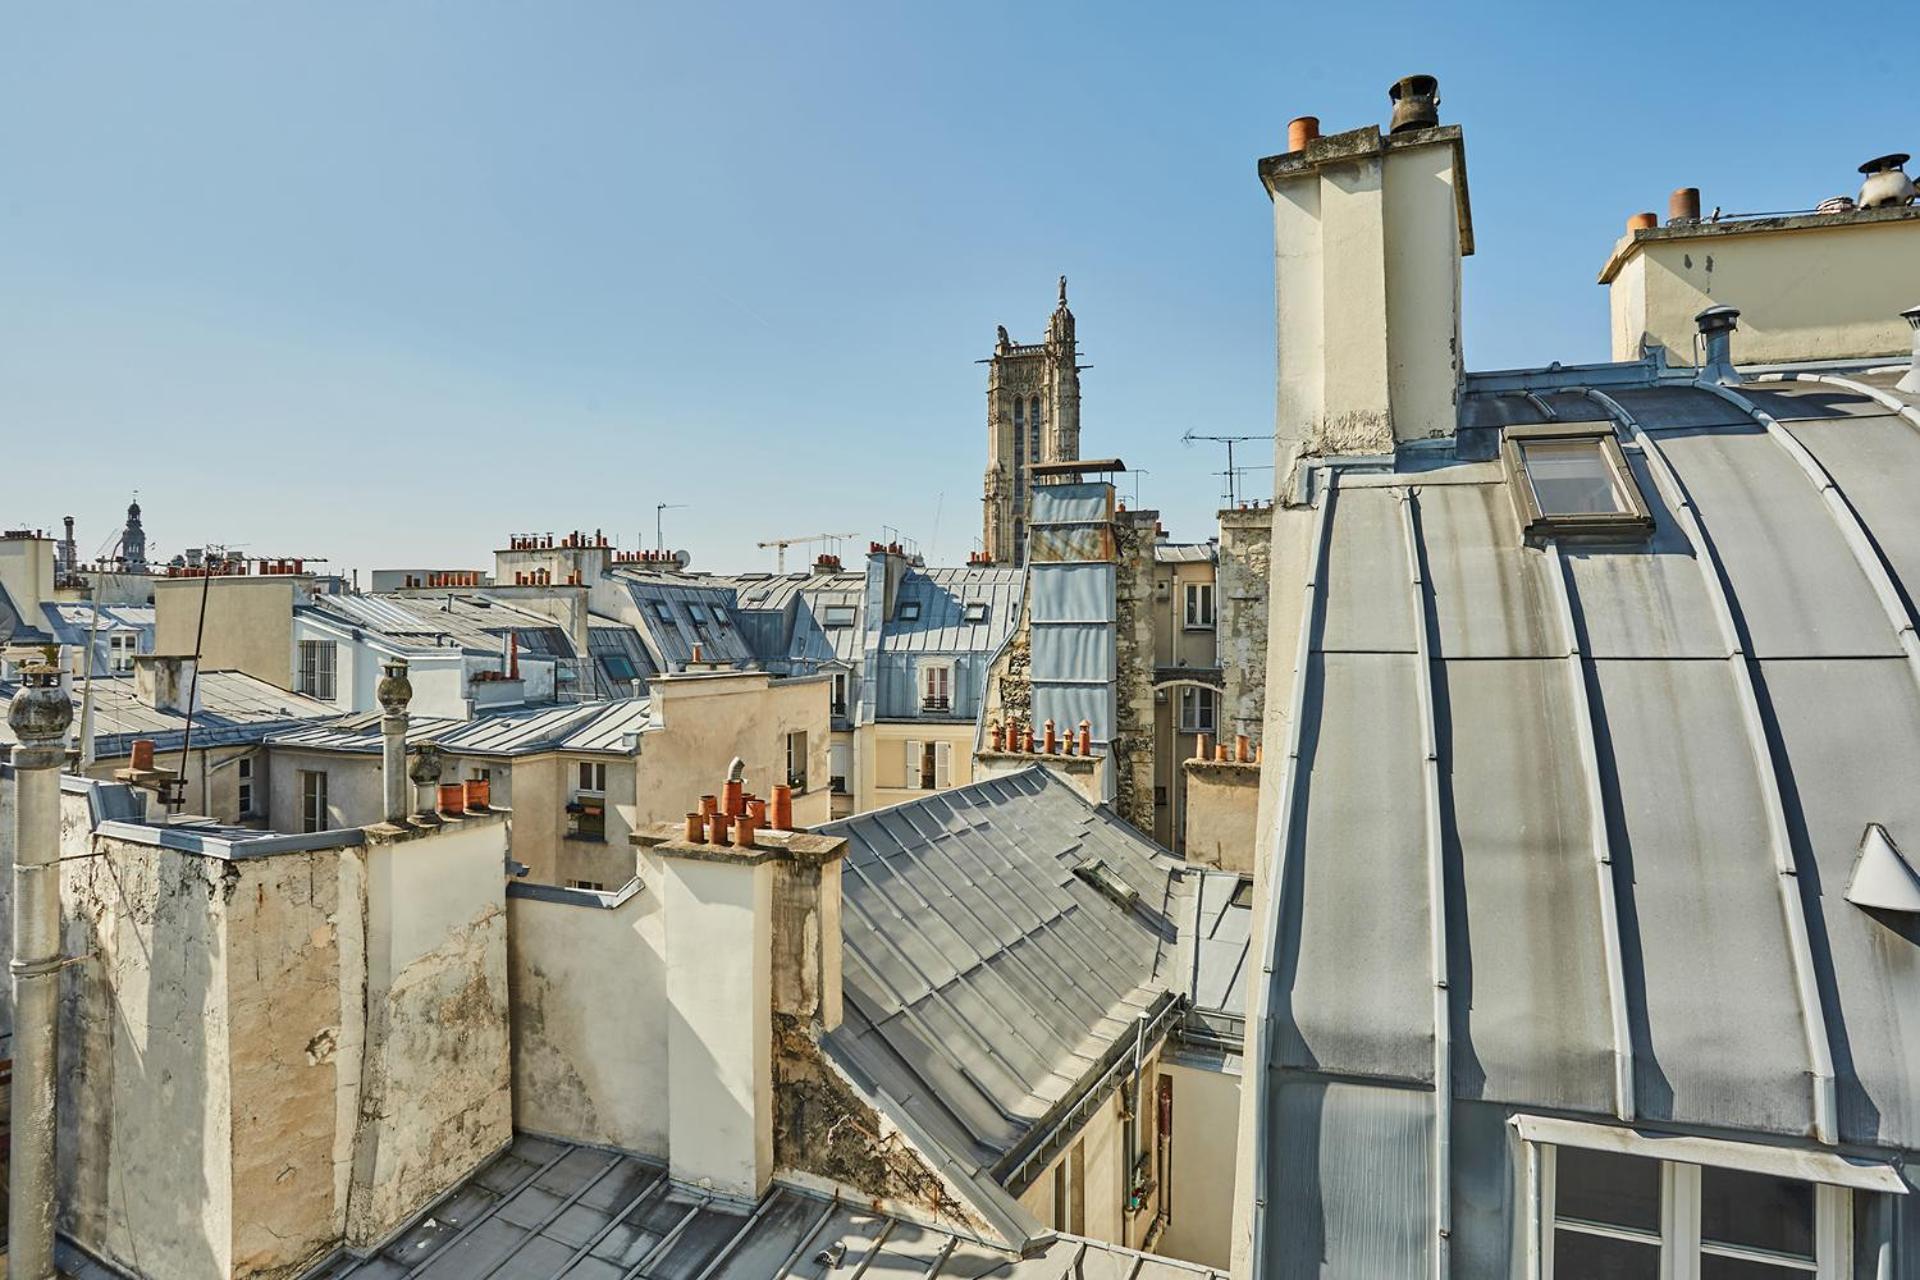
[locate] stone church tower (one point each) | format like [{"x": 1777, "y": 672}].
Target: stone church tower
[{"x": 1033, "y": 415}]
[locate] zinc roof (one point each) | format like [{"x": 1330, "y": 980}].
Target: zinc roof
[
  {"x": 1652, "y": 766},
  {"x": 580, "y": 726},
  {"x": 943, "y": 597},
  {"x": 234, "y": 708},
  {"x": 552, "y": 1210},
  {"x": 985, "y": 981},
  {"x": 463, "y": 619}
]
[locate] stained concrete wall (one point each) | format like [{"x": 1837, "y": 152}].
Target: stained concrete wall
[
  {"x": 262, "y": 1058},
  {"x": 1826, "y": 287},
  {"x": 590, "y": 1019},
  {"x": 1241, "y": 601},
  {"x": 1223, "y": 803}
]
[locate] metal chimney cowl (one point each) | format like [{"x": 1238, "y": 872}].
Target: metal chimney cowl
[
  {"x": 1416, "y": 103},
  {"x": 1887, "y": 184},
  {"x": 1717, "y": 324}
]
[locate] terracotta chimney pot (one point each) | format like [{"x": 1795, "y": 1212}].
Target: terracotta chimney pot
[
  {"x": 1643, "y": 221},
  {"x": 1241, "y": 750},
  {"x": 717, "y": 829},
  {"x": 1301, "y": 130},
  {"x": 696, "y": 832},
  {"x": 1086, "y": 737},
  {"x": 782, "y": 807}
]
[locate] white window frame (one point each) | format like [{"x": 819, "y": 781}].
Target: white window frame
[
  {"x": 243, "y": 784},
  {"x": 797, "y": 761},
  {"x": 314, "y": 815},
  {"x": 1200, "y": 695},
  {"x": 1199, "y": 606},
  {"x": 592, "y": 772},
  {"x": 916, "y": 753},
  {"x": 121, "y": 648},
  {"x": 1834, "y": 1179},
  {"x": 837, "y": 615},
  {"x": 942, "y": 765},
  {"x": 318, "y": 679},
  {"x": 934, "y": 674}
]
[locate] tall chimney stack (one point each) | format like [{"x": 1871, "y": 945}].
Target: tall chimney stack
[
  {"x": 39, "y": 716},
  {"x": 1369, "y": 231},
  {"x": 394, "y": 692}
]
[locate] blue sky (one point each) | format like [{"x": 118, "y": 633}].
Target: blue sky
[{"x": 388, "y": 282}]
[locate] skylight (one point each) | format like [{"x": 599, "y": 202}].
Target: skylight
[
  {"x": 909, "y": 611},
  {"x": 1571, "y": 480},
  {"x": 976, "y": 611},
  {"x": 838, "y": 615}
]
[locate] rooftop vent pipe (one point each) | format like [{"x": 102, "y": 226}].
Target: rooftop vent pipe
[
  {"x": 1716, "y": 330},
  {"x": 1887, "y": 183},
  {"x": 1683, "y": 207},
  {"x": 1416, "y": 103},
  {"x": 1911, "y": 382}
]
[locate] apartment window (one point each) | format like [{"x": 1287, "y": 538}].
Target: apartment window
[
  {"x": 618, "y": 666},
  {"x": 1197, "y": 709},
  {"x": 1199, "y": 606},
  {"x": 929, "y": 765},
  {"x": 797, "y": 760},
  {"x": 317, "y": 665},
  {"x": 840, "y": 765},
  {"x": 909, "y": 611},
  {"x": 243, "y": 771},
  {"x": 936, "y": 687},
  {"x": 838, "y": 615},
  {"x": 480, "y": 775},
  {"x": 1070, "y": 1191},
  {"x": 587, "y": 811},
  {"x": 976, "y": 611},
  {"x": 313, "y": 800},
  {"x": 1571, "y": 480},
  {"x": 840, "y": 693},
  {"x": 1609, "y": 1213},
  {"x": 121, "y": 646}
]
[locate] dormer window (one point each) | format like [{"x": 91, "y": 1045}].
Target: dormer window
[{"x": 1573, "y": 480}]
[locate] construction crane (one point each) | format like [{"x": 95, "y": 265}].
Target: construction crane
[
  {"x": 781, "y": 544},
  {"x": 1232, "y": 472}
]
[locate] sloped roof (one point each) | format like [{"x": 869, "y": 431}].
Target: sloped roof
[
  {"x": 1653, "y": 764},
  {"x": 466, "y": 619},
  {"x": 549, "y": 1210},
  {"x": 986, "y": 981},
  {"x": 234, "y": 708},
  {"x": 579, "y": 726}
]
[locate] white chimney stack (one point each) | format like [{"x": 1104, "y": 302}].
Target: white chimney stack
[{"x": 1369, "y": 230}]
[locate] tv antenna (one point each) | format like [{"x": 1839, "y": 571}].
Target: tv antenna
[{"x": 1233, "y": 472}]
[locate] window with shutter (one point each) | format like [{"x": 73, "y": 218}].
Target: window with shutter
[
  {"x": 942, "y": 765},
  {"x": 912, "y": 774}
]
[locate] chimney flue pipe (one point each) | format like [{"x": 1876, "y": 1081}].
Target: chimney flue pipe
[
  {"x": 1683, "y": 207},
  {"x": 39, "y": 716},
  {"x": 1416, "y": 103},
  {"x": 1716, "y": 331},
  {"x": 1301, "y": 130}
]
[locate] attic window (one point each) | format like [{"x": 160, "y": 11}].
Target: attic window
[
  {"x": 909, "y": 611},
  {"x": 1573, "y": 480},
  {"x": 1102, "y": 877},
  {"x": 663, "y": 611},
  {"x": 839, "y": 615},
  {"x": 697, "y": 612},
  {"x": 976, "y": 611}
]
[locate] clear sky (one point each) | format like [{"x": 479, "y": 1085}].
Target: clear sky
[{"x": 385, "y": 282}]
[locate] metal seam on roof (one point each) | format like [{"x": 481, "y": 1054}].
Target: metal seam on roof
[
  {"x": 1442, "y": 1206},
  {"x": 1261, "y": 1048},
  {"x": 1812, "y": 1012},
  {"x": 1577, "y": 663}
]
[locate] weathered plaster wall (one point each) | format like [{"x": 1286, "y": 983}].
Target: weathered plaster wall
[
  {"x": 435, "y": 1089},
  {"x": 1246, "y": 539},
  {"x": 1223, "y": 804},
  {"x": 589, "y": 1020},
  {"x": 892, "y": 783},
  {"x": 1132, "y": 748},
  {"x": 146, "y": 1136},
  {"x": 249, "y": 623},
  {"x": 710, "y": 719},
  {"x": 354, "y": 793}
]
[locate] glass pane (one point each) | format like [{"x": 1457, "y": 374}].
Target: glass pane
[
  {"x": 1571, "y": 477},
  {"x": 1757, "y": 1210},
  {"x": 1712, "y": 1268},
  {"x": 1583, "y": 1257},
  {"x": 1600, "y": 1186}
]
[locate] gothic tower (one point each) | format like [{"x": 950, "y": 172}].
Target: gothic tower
[
  {"x": 133, "y": 541},
  {"x": 1033, "y": 415}
]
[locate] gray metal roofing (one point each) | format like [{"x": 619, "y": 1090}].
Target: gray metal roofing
[
  {"x": 668, "y": 603},
  {"x": 577, "y": 726},
  {"x": 1185, "y": 552},
  {"x": 16, "y": 627},
  {"x": 234, "y": 708},
  {"x": 71, "y": 622},
  {"x": 943, "y": 596},
  {"x": 1676, "y": 744},
  {"x": 551, "y": 1210},
  {"x": 607, "y": 643},
  {"x": 1221, "y": 928},
  {"x": 984, "y": 979},
  {"x": 464, "y": 618}
]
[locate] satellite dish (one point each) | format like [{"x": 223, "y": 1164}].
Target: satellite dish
[{"x": 682, "y": 558}]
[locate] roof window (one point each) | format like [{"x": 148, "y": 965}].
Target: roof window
[
  {"x": 976, "y": 611},
  {"x": 1572, "y": 480},
  {"x": 909, "y": 611},
  {"x": 697, "y": 612},
  {"x": 838, "y": 615}
]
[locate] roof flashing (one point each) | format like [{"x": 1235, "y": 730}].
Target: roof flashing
[{"x": 1883, "y": 879}]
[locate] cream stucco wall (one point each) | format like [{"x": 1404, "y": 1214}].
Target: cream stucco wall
[
  {"x": 26, "y": 571},
  {"x": 1102, "y": 1143},
  {"x": 708, "y": 719},
  {"x": 1223, "y": 802},
  {"x": 1807, "y": 288},
  {"x": 249, "y": 625},
  {"x": 1206, "y": 1118},
  {"x": 590, "y": 1019},
  {"x": 885, "y": 760}
]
